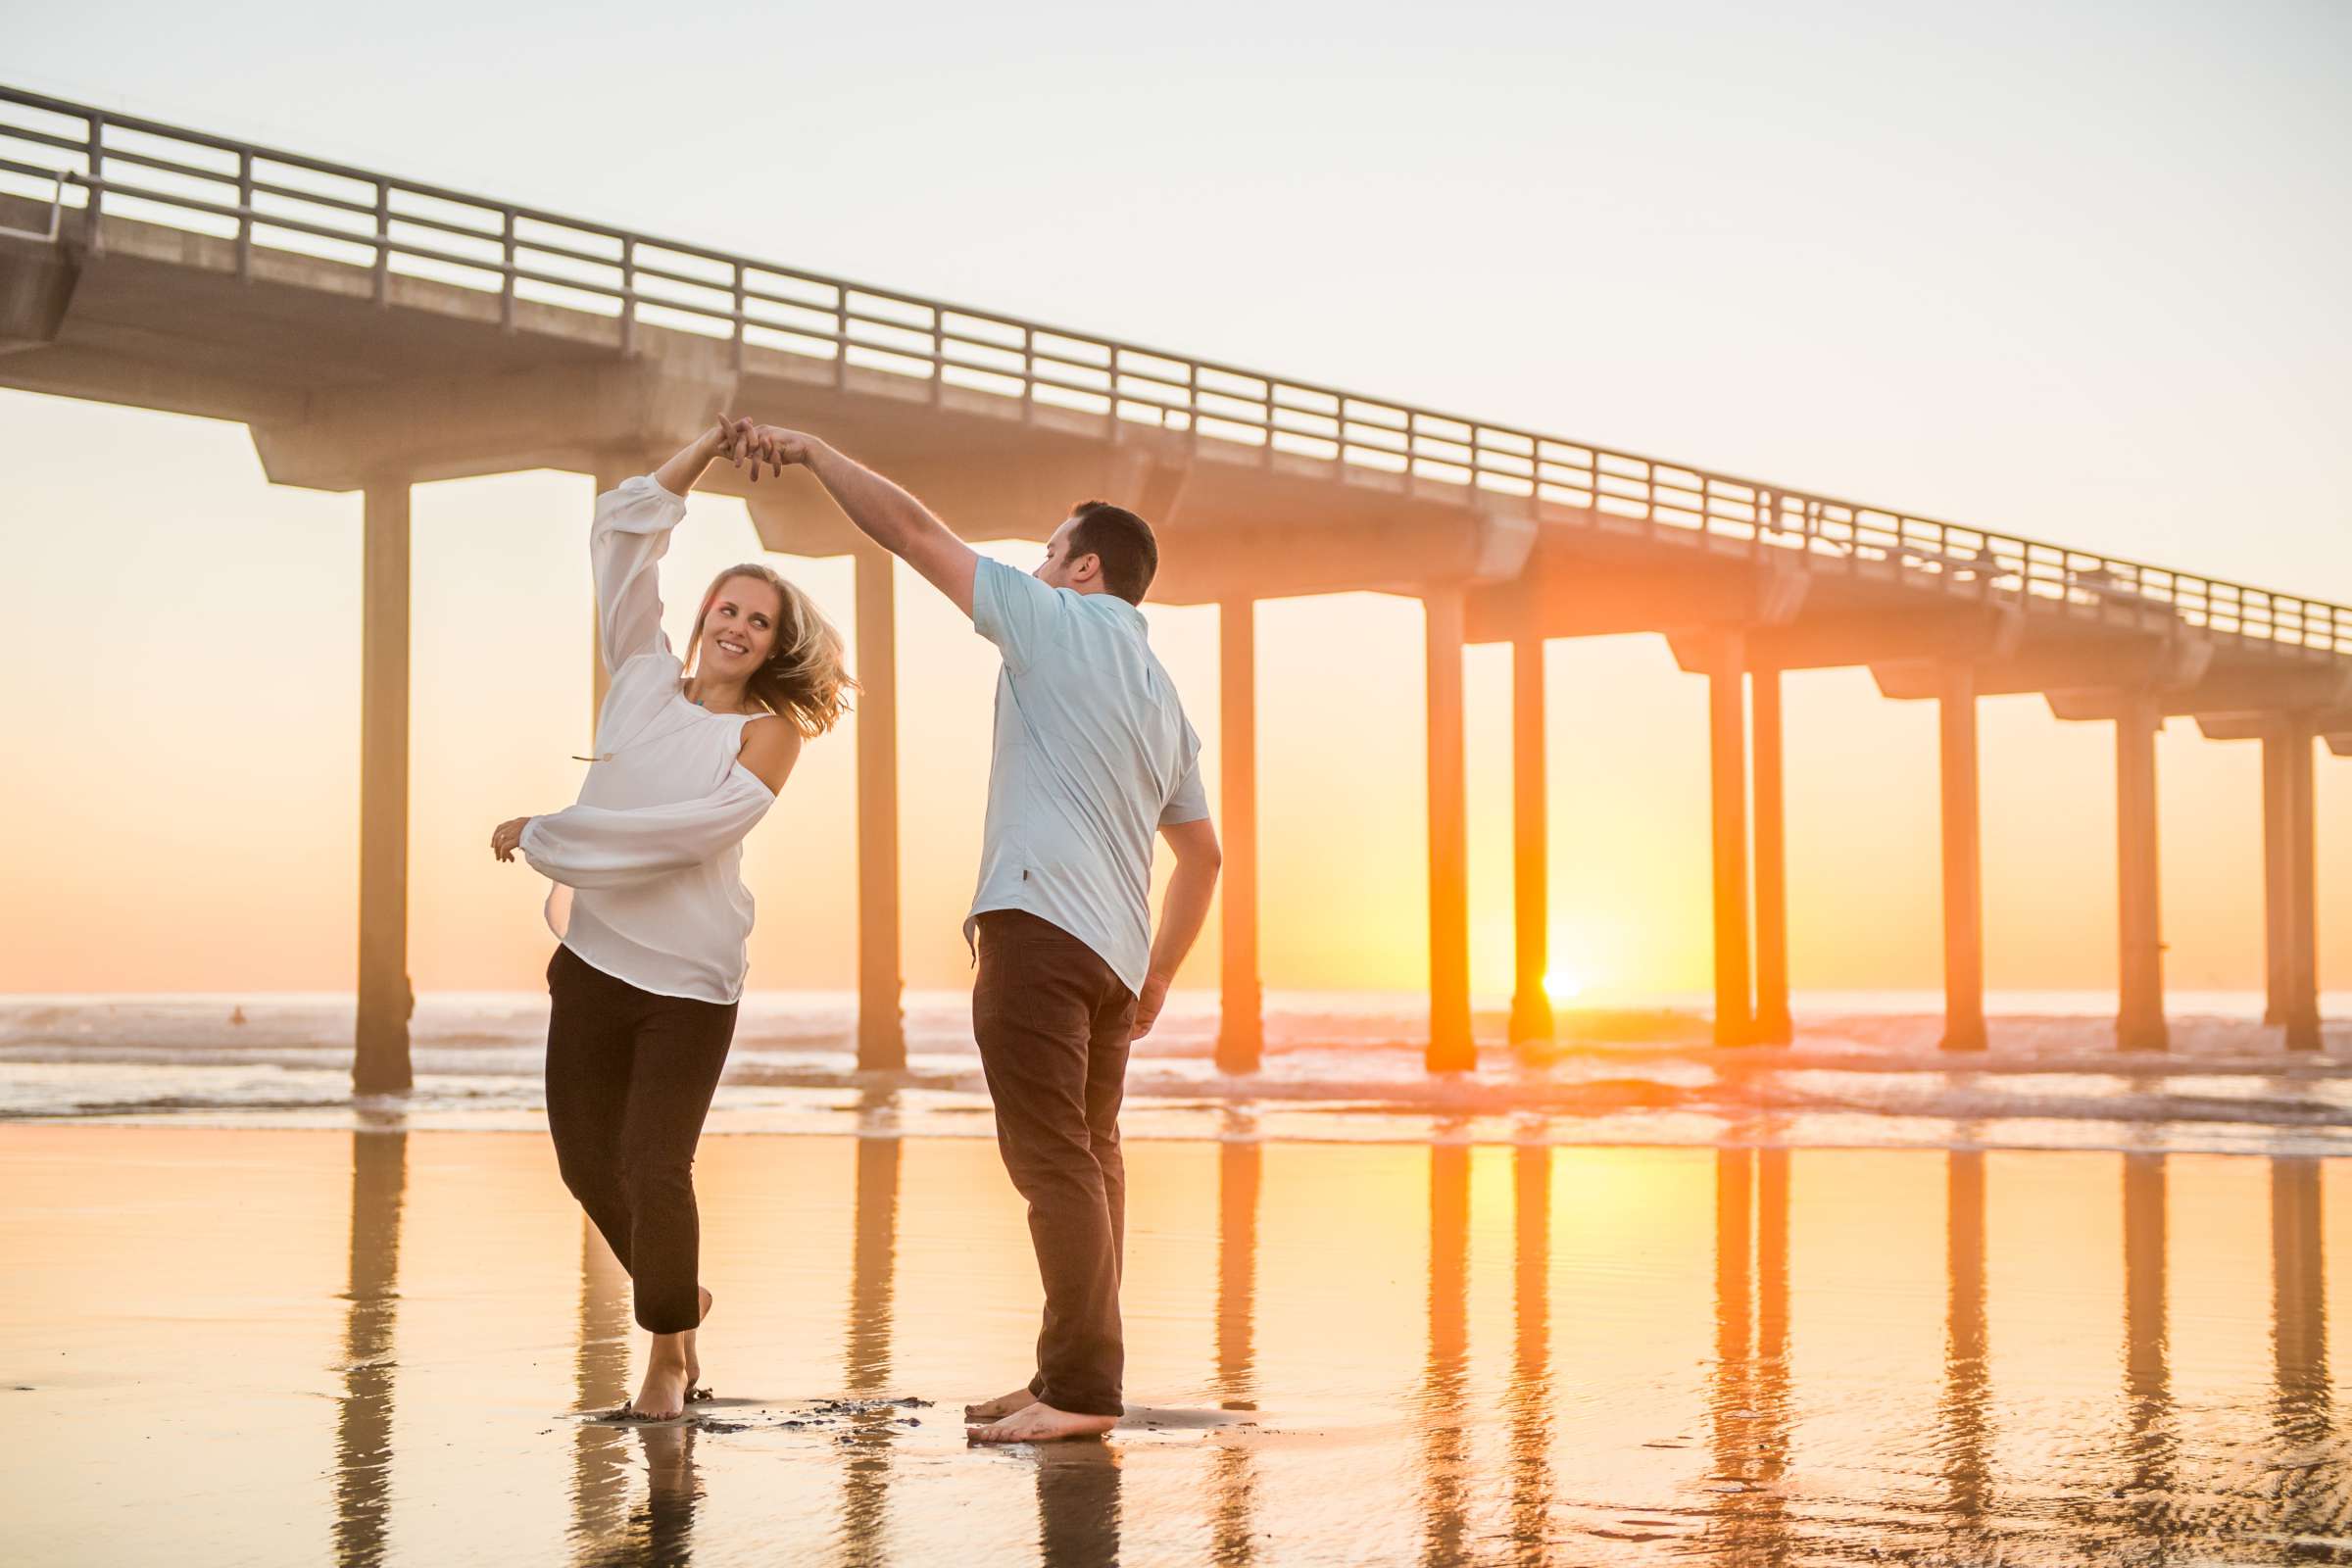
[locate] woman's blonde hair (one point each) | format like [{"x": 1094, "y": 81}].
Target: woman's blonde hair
[{"x": 805, "y": 678}]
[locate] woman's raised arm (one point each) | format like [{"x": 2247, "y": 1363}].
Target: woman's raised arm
[{"x": 631, "y": 534}]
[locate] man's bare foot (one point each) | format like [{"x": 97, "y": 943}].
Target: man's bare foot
[
  {"x": 1042, "y": 1423},
  {"x": 998, "y": 1408}
]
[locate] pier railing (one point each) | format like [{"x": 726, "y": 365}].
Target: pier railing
[{"x": 83, "y": 162}]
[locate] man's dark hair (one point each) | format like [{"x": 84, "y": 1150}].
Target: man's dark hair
[{"x": 1123, "y": 541}]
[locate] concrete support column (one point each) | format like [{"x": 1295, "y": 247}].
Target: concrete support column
[
  {"x": 1727, "y": 732},
  {"x": 2277, "y": 917},
  {"x": 1241, "y": 1031},
  {"x": 2139, "y": 1016},
  {"x": 2300, "y": 1006},
  {"x": 1773, "y": 1026},
  {"x": 380, "y": 1057},
  {"x": 1449, "y": 1044},
  {"x": 1963, "y": 864},
  {"x": 881, "y": 1030},
  {"x": 1530, "y": 1003}
]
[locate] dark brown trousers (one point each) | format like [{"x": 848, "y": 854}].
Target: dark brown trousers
[
  {"x": 629, "y": 1079},
  {"x": 1053, "y": 1023}
]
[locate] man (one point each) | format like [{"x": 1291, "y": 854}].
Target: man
[{"x": 1092, "y": 754}]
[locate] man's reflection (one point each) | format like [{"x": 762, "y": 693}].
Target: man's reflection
[
  {"x": 1077, "y": 1505},
  {"x": 379, "y": 1179}
]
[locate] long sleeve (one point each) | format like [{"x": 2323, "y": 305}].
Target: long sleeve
[
  {"x": 601, "y": 847},
  {"x": 625, "y": 545}
]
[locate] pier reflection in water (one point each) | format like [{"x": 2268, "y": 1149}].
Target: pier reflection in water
[
  {"x": 1391, "y": 1353},
  {"x": 636, "y": 1492}
]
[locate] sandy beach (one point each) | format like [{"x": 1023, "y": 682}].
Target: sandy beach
[{"x": 379, "y": 1346}]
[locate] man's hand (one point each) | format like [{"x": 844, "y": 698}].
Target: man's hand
[
  {"x": 1147, "y": 1006},
  {"x": 506, "y": 836},
  {"x": 783, "y": 448}
]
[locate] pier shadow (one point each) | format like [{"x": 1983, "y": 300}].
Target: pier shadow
[{"x": 379, "y": 1179}]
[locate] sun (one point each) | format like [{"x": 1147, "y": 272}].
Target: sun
[{"x": 1561, "y": 986}]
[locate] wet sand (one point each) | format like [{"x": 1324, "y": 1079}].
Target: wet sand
[{"x": 296, "y": 1347}]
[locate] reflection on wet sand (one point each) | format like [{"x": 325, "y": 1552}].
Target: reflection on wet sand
[
  {"x": 1239, "y": 1171},
  {"x": 379, "y": 1179},
  {"x": 1445, "y": 1381},
  {"x": 1748, "y": 1396},
  {"x": 2165, "y": 1485},
  {"x": 2151, "y": 1440},
  {"x": 1531, "y": 1354},
  {"x": 599, "y": 1482},
  {"x": 2312, "y": 1477},
  {"x": 866, "y": 1357},
  {"x": 1967, "y": 1365}
]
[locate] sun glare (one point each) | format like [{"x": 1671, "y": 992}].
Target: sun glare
[{"x": 1561, "y": 986}]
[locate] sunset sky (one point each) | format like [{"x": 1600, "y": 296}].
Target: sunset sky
[{"x": 2072, "y": 273}]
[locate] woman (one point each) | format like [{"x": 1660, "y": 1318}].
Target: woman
[{"x": 649, "y": 913}]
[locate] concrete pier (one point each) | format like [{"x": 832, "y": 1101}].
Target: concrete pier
[
  {"x": 1530, "y": 1003},
  {"x": 373, "y": 372},
  {"x": 881, "y": 1026},
  {"x": 1772, "y": 1025},
  {"x": 1450, "y": 1049},
  {"x": 1240, "y": 1013},
  {"x": 380, "y": 1057},
  {"x": 1963, "y": 874},
  {"x": 1726, "y": 751}
]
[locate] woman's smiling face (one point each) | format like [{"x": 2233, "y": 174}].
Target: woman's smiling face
[{"x": 739, "y": 628}]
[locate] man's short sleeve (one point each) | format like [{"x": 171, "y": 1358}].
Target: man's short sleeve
[
  {"x": 1021, "y": 615},
  {"x": 1188, "y": 803}
]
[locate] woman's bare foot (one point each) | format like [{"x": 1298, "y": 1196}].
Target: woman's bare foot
[
  {"x": 998, "y": 1408},
  {"x": 1042, "y": 1423},
  {"x": 694, "y": 1361},
  {"x": 663, "y": 1395}
]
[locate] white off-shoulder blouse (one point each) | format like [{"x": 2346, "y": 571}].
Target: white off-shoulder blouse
[{"x": 647, "y": 865}]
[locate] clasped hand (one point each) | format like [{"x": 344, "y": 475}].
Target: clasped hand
[{"x": 768, "y": 446}]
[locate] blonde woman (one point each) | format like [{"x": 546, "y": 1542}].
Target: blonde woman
[{"x": 650, "y": 914}]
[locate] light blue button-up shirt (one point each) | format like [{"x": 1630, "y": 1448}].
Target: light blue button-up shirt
[{"x": 1092, "y": 756}]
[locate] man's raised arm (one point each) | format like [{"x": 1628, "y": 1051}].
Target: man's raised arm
[{"x": 882, "y": 512}]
